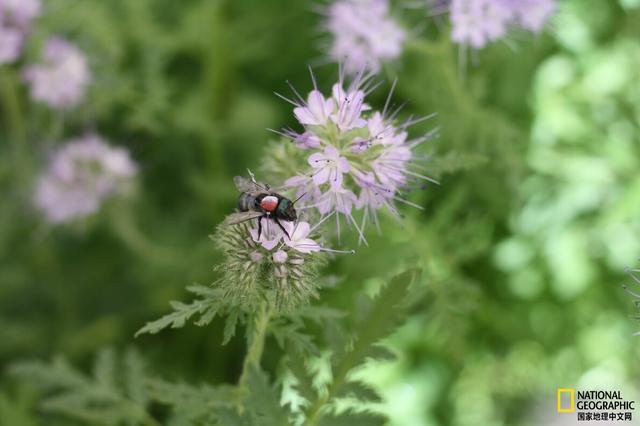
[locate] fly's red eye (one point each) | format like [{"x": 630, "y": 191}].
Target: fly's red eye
[{"x": 269, "y": 203}]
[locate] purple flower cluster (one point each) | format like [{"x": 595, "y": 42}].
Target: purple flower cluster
[
  {"x": 80, "y": 176},
  {"x": 479, "y": 22},
  {"x": 60, "y": 81},
  {"x": 15, "y": 22},
  {"x": 364, "y": 35},
  {"x": 359, "y": 159}
]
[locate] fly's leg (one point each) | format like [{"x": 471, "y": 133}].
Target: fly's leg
[
  {"x": 282, "y": 227},
  {"x": 260, "y": 227}
]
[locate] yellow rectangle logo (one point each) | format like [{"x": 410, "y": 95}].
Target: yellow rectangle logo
[{"x": 572, "y": 396}]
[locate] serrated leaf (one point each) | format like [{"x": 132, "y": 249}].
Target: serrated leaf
[
  {"x": 360, "y": 391},
  {"x": 230, "y": 326},
  {"x": 292, "y": 334},
  {"x": 207, "y": 317},
  {"x": 175, "y": 319},
  {"x": 207, "y": 307},
  {"x": 262, "y": 400},
  {"x": 191, "y": 402},
  {"x": 296, "y": 363},
  {"x": 101, "y": 399},
  {"x": 58, "y": 374},
  {"x": 375, "y": 319}
]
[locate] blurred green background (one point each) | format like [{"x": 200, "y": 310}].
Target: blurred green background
[{"x": 523, "y": 245}]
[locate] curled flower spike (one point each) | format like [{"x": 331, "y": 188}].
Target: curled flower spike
[
  {"x": 15, "y": 22},
  {"x": 262, "y": 267},
  {"x": 274, "y": 265},
  {"x": 79, "y": 177},
  {"x": 360, "y": 159},
  {"x": 364, "y": 34},
  {"x": 60, "y": 81}
]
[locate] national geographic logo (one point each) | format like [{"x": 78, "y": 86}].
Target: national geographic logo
[
  {"x": 566, "y": 406},
  {"x": 595, "y": 405}
]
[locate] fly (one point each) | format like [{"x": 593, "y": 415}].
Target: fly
[{"x": 258, "y": 201}]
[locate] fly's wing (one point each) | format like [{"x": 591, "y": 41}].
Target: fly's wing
[
  {"x": 250, "y": 186},
  {"x": 239, "y": 217}
]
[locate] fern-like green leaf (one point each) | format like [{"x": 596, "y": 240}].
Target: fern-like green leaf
[
  {"x": 191, "y": 404},
  {"x": 230, "y": 326},
  {"x": 374, "y": 320},
  {"x": 98, "y": 400},
  {"x": 263, "y": 401},
  {"x": 206, "y": 306},
  {"x": 290, "y": 331},
  {"x": 260, "y": 405}
]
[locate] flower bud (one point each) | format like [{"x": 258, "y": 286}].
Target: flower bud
[{"x": 268, "y": 264}]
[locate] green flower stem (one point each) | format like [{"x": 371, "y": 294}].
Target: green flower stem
[
  {"x": 14, "y": 121},
  {"x": 256, "y": 343}
]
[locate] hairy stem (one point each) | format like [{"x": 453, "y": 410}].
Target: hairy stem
[{"x": 256, "y": 343}]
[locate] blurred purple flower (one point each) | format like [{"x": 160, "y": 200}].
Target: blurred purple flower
[
  {"x": 364, "y": 34},
  {"x": 532, "y": 15},
  {"x": 478, "y": 22},
  {"x": 15, "y": 21},
  {"x": 355, "y": 151},
  {"x": 80, "y": 176},
  {"x": 60, "y": 81}
]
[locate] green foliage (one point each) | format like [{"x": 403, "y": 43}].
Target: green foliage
[
  {"x": 374, "y": 320},
  {"x": 18, "y": 410},
  {"x": 521, "y": 246},
  {"x": 115, "y": 394},
  {"x": 192, "y": 405},
  {"x": 260, "y": 405},
  {"x": 120, "y": 391},
  {"x": 206, "y": 308},
  {"x": 247, "y": 281}
]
